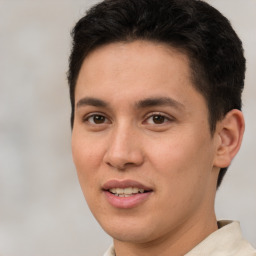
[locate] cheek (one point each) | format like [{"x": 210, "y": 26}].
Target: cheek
[
  {"x": 85, "y": 151},
  {"x": 184, "y": 161},
  {"x": 184, "y": 174},
  {"x": 87, "y": 159}
]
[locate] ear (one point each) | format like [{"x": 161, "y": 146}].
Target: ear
[{"x": 229, "y": 132}]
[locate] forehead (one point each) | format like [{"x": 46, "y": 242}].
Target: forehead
[
  {"x": 128, "y": 70},
  {"x": 133, "y": 54}
]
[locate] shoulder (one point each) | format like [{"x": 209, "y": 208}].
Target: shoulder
[{"x": 226, "y": 241}]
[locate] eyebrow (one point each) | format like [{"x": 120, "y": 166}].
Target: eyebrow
[
  {"x": 145, "y": 103},
  {"x": 159, "y": 101},
  {"x": 89, "y": 101}
]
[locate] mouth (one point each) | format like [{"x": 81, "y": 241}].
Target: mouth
[{"x": 126, "y": 193}]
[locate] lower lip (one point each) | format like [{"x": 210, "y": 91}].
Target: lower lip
[{"x": 126, "y": 202}]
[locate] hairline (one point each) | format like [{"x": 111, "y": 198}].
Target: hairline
[{"x": 192, "y": 62}]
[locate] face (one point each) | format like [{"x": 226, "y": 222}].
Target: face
[{"x": 141, "y": 141}]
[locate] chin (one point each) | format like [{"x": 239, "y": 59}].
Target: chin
[
  {"x": 130, "y": 231},
  {"x": 131, "y": 236}
]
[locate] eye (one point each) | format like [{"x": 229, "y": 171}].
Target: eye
[
  {"x": 157, "y": 119},
  {"x": 96, "y": 119}
]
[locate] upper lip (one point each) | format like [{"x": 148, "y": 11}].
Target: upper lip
[{"x": 124, "y": 184}]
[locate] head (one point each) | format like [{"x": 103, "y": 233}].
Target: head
[
  {"x": 155, "y": 90},
  {"x": 194, "y": 28}
]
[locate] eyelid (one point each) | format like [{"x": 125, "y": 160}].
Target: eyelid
[
  {"x": 91, "y": 114},
  {"x": 151, "y": 114}
]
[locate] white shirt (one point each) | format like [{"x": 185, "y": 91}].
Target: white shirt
[{"x": 226, "y": 241}]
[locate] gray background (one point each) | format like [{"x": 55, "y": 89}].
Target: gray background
[{"x": 42, "y": 210}]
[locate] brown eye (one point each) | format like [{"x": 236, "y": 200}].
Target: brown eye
[
  {"x": 96, "y": 119},
  {"x": 158, "y": 119},
  {"x": 99, "y": 119}
]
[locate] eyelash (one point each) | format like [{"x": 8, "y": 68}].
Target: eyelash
[
  {"x": 163, "y": 118},
  {"x": 86, "y": 118},
  {"x": 161, "y": 115}
]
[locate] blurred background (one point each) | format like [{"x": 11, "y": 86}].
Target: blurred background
[{"x": 42, "y": 209}]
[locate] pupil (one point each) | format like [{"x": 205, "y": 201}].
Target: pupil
[
  {"x": 98, "y": 119},
  {"x": 158, "y": 119}
]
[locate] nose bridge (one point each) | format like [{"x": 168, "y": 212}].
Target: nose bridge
[{"x": 124, "y": 148}]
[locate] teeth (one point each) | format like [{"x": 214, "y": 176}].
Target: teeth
[
  {"x": 119, "y": 190},
  {"x": 135, "y": 190},
  {"x": 126, "y": 192}
]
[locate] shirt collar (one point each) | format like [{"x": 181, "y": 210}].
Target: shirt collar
[
  {"x": 224, "y": 240},
  {"x": 227, "y": 240}
]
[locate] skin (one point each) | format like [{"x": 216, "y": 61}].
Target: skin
[{"x": 167, "y": 147}]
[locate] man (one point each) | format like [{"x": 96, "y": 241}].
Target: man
[{"x": 155, "y": 90}]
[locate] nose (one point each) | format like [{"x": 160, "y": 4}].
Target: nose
[{"x": 124, "y": 149}]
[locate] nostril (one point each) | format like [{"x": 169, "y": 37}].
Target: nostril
[
  {"x": 122, "y": 156},
  {"x": 120, "y": 167}
]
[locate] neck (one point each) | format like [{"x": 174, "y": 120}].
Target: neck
[{"x": 176, "y": 243}]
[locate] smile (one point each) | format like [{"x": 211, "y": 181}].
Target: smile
[{"x": 126, "y": 192}]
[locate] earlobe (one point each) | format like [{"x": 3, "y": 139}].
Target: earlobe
[{"x": 230, "y": 132}]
